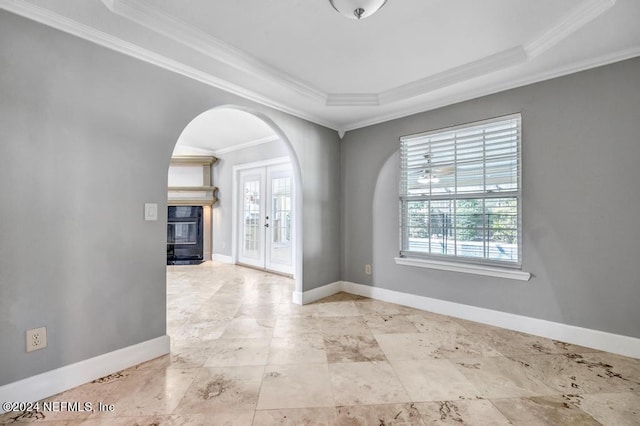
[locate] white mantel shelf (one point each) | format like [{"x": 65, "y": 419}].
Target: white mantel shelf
[{"x": 194, "y": 195}]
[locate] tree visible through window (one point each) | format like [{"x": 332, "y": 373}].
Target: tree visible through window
[{"x": 460, "y": 193}]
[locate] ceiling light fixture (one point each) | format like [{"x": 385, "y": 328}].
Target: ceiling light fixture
[
  {"x": 357, "y": 9},
  {"x": 430, "y": 174},
  {"x": 427, "y": 177}
]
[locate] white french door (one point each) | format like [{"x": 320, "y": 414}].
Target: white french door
[{"x": 265, "y": 231}]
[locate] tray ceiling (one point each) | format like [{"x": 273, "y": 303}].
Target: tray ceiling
[{"x": 304, "y": 58}]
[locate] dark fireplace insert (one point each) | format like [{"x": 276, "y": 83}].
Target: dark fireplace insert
[{"x": 184, "y": 235}]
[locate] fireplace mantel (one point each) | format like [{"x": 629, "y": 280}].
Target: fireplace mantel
[{"x": 202, "y": 194}]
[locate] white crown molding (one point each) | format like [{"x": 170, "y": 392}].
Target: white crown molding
[
  {"x": 144, "y": 13},
  {"x": 151, "y": 18},
  {"x": 245, "y": 145},
  {"x": 147, "y": 15},
  {"x": 563, "y": 28},
  {"x": 353, "y": 99},
  {"x": 200, "y": 151},
  {"x": 62, "y": 23},
  {"x": 498, "y": 87},
  {"x": 486, "y": 65}
]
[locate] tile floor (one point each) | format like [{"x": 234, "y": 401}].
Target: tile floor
[{"x": 243, "y": 354}]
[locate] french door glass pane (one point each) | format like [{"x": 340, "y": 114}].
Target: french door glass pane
[
  {"x": 251, "y": 214},
  {"x": 281, "y": 219}
]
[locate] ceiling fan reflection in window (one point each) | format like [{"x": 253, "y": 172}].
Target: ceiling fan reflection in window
[{"x": 433, "y": 174}]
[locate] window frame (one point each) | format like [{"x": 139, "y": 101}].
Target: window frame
[{"x": 481, "y": 265}]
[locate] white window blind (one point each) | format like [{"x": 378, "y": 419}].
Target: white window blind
[{"x": 460, "y": 193}]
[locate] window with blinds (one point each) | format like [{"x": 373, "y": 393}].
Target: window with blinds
[{"x": 460, "y": 193}]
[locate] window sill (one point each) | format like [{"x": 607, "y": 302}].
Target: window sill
[{"x": 467, "y": 268}]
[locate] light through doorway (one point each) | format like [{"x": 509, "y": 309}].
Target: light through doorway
[{"x": 265, "y": 216}]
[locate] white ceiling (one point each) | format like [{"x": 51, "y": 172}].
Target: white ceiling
[
  {"x": 222, "y": 130},
  {"x": 302, "y": 57}
]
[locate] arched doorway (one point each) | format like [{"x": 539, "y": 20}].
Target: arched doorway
[{"x": 220, "y": 131}]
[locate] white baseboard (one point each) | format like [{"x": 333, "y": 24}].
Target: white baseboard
[
  {"x": 317, "y": 293},
  {"x": 222, "y": 258},
  {"x": 609, "y": 342},
  {"x": 64, "y": 378}
]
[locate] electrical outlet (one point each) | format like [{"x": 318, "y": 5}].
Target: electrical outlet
[
  {"x": 367, "y": 269},
  {"x": 36, "y": 339}
]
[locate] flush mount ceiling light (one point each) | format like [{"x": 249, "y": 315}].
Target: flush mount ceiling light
[{"x": 357, "y": 9}]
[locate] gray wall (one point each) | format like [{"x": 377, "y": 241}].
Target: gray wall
[
  {"x": 581, "y": 237},
  {"x": 86, "y": 138},
  {"x": 223, "y": 179}
]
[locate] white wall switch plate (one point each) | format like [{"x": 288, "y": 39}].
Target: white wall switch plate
[
  {"x": 150, "y": 211},
  {"x": 367, "y": 269}
]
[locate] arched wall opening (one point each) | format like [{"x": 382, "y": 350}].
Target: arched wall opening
[
  {"x": 385, "y": 217},
  {"x": 278, "y": 135}
]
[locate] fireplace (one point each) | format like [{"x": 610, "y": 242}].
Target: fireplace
[{"x": 184, "y": 235}]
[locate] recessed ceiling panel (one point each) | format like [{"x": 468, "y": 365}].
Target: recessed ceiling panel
[{"x": 405, "y": 41}]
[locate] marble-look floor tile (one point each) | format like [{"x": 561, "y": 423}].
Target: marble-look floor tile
[
  {"x": 343, "y": 326},
  {"x": 480, "y": 412},
  {"x": 509, "y": 342},
  {"x": 352, "y": 349},
  {"x": 564, "y": 374},
  {"x": 384, "y": 414},
  {"x": 295, "y": 386},
  {"x": 149, "y": 393},
  {"x": 198, "y": 333},
  {"x": 337, "y": 309},
  {"x": 433, "y": 380},
  {"x": 248, "y": 328},
  {"x": 409, "y": 346},
  {"x": 365, "y": 383},
  {"x": 623, "y": 373},
  {"x": 217, "y": 418},
  {"x": 341, "y": 297},
  {"x": 238, "y": 352},
  {"x": 242, "y": 352},
  {"x": 430, "y": 322},
  {"x": 98, "y": 391},
  {"x": 616, "y": 409},
  {"x": 294, "y": 325},
  {"x": 216, "y": 310},
  {"x": 449, "y": 339},
  {"x": 543, "y": 411},
  {"x": 376, "y": 307},
  {"x": 298, "y": 349},
  {"x": 258, "y": 311},
  {"x": 182, "y": 357},
  {"x": 290, "y": 309},
  {"x": 234, "y": 388},
  {"x": 380, "y": 324},
  {"x": 500, "y": 377},
  {"x": 296, "y": 416}
]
